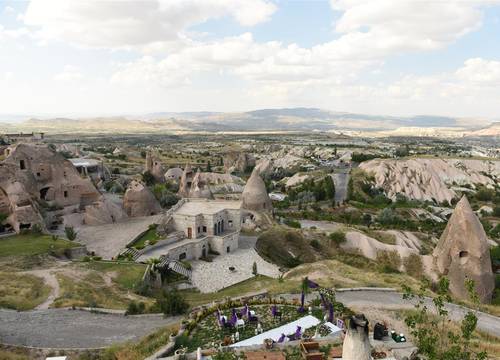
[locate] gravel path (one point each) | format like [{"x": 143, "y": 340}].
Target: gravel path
[
  {"x": 63, "y": 328},
  {"x": 212, "y": 276},
  {"x": 392, "y": 300}
]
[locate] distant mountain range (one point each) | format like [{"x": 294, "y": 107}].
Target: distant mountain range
[{"x": 287, "y": 119}]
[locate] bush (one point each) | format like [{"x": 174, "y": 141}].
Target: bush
[
  {"x": 389, "y": 261},
  {"x": 292, "y": 223},
  {"x": 338, "y": 237},
  {"x": 36, "y": 230},
  {"x": 485, "y": 194},
  {"x": 316, "y": 244},
  {"x": 254, "y": 269},
  {"x": 135, "y": 308},
  {"x": 413, "y": 266},
  {"x": 70, "y": 233},
  {"x": 172, "y": 303}
]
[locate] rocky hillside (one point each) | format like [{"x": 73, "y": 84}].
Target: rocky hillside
[{"x": 431, "y": 179}]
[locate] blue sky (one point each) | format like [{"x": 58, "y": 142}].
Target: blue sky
[{"x": 88, "y": 57}]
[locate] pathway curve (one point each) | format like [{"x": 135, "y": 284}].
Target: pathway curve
[{"x": 70, "y": 329}]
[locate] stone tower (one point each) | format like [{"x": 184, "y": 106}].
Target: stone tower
[
  {"x": 463, "y": 252},
  {"x": 154, "y": 166}
]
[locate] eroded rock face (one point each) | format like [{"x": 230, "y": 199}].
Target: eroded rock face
[
  {"x": 430, "y": 179},
  {"x": 238, "y": 161},
  {"x": 140, "y": 201},
  {"x": 154, "y": 166},
  {"x": 356, "y": 343},
  {"x": 199, "y": 188},
  {"x": 103, "y": 212},
  {"x": 463, "y": 252},
  {"x": 255, "y": 196}
]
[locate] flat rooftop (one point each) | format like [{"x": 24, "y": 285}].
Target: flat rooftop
[
  {"x": 85, "y": 162},
  {"x": 208, "y": 207}
]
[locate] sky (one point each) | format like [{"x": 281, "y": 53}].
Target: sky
[{"x": 379, "y": 57}]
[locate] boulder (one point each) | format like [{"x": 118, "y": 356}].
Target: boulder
[
  {"x": 463, "y": 253},
  {"x": 140, "y": 201}
]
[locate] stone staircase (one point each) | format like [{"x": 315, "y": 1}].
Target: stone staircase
[
  {"x": 175, "y": 266},
  {"x": 135, "y": 253}
]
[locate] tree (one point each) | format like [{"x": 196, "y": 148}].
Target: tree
[
  {"x": 338, "y": 237},
  {"x": 172, "y": 303},
  {"x": 148, "y": 178},
  {"x": 254, "y": 269},
  {"x": 430, "y": 329},
  {"x": 70, "y": 233}
]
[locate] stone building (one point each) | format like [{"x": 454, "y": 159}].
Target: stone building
[
  {"x": 174, "y": 175},
  {"x": 463, "y": 253},
  {"x": 197, "y": 226}
]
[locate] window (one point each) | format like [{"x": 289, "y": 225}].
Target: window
[
  {"x": 38, "y": 174},
  {"x": 230, "y": 223},
  {"x": 182, "y": 256},
  {"x": 204, "y": 229},
  {"x": 199, "y": 229},
  {"x": 228, "y": 249},
  {"x": 65, "y": 194},
  {"x": 22, "y": 165}
]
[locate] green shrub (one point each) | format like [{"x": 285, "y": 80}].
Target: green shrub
[
  {"x": 338, "y": 237},
  {"x": 172, "y": 303},
  {"x": 292, "y": 223},
  {"x": 413, "y": 265},
  {"x": 389, "y": 261},
  {"x": 316, "y": 244},
  {"x": 70, "y": 233}
]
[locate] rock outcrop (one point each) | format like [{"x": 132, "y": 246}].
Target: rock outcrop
[
  {"x": 255, "y": 196},
  {"x": 32, "y": 174},
  {"x": 140, "y": 201},
  {"x": 186, "y": 181},
  {"x": 174, "y": 175},
  {"x": 463, "y": 253},
  {"x": 103, "y": 212},
  {"x": 199, "y": 188},
  {"x": 238, "y": 161},
  {"x": 356, "y": 343},
  {"x": 430, "y": 179},
  {"x": 154, "y": 166}
]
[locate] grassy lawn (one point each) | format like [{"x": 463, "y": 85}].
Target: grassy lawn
[
  {"x": 125, "y": 274},
  {"x": 150, "y": 236},
  {"x": 29, "y": 245},
  {"x": 91, "y": 291},
  {"x": 21, "y": 292},
  {"x": 140, "y": 350}
]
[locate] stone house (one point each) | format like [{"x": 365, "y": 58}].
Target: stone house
[{"x": 200, "y": 226}]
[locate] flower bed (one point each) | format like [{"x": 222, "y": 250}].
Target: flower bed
[{"x": 204, "y": 331}]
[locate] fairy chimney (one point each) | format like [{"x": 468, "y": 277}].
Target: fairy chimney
[
  {"x": 254, "y": 196},
  {"x": 356, "y": 343},
  {"x": 463, "y": 253}
]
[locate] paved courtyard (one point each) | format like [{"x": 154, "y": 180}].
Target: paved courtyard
[
  {"x": 63, "y": 328},
  {"x": 108, "y": 240},
  {"x": 211, "y": 277}
]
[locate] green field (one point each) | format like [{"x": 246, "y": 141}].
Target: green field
[
  {"x": 22, "y": 292},
  {"x": 29, "y": 245},
  {"x": 126, "y": 274},
  {"x": 149, "y": 235}
]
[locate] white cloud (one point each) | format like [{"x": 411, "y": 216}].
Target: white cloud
[
  {"x": 117, "y": 24},
  {"x": 8, "y": 9},
  {"x": 480, "y": 71},
  {"x": 70, "y": 73}
]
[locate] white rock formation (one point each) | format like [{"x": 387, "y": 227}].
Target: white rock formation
[{"x": 430, "y": 179}]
